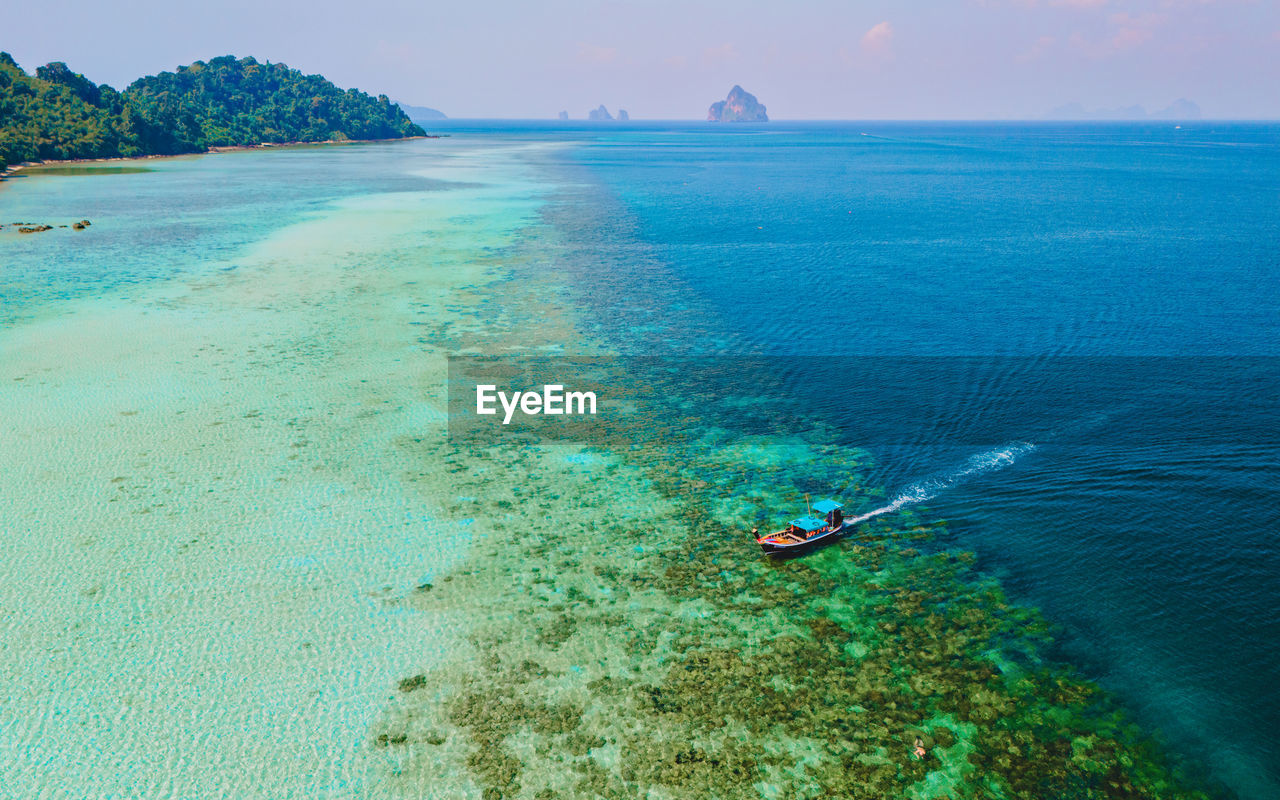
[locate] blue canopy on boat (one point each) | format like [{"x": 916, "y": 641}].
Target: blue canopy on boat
[
  {"x": 826, "y": 506},
  {"x": 809, "y": 523}
]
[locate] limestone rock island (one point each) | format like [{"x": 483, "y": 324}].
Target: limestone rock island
[{"x": 739, "y": 106}]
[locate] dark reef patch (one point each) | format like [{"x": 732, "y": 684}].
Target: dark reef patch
[{"x": 660, "y": 650}]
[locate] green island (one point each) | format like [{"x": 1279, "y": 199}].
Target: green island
[{"x": 58, "y": 114}]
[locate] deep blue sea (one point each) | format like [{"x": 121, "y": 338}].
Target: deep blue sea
[{"x": 1106, "y": 294}]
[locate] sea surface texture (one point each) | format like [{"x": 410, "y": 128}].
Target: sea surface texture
[{"x": 1040, "y": 363}]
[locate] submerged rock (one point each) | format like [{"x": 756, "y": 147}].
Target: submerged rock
[{"x": 413, "y": 684}]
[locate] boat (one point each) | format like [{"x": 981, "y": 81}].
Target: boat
[{"x": 807, "y": 533}]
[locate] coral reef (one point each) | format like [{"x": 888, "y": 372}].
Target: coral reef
[{"x": 628, "y": 639}]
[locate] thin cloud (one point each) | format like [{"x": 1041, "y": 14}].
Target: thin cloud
[
  {"x": 1133, "y": 31},
  {"x": 595, "y": 54},
  {"x": 1053, "y": 3},
  {"x": 1037, "y": 49},
  {"x": 1129, "y": 38},
  {"x": 720, "y": 53},
  {"x": 878, "y": 39},
  {"x": 1125, "y": 32}
]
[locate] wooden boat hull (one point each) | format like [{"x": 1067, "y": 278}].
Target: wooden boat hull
[{"x": 789, "y": 549}]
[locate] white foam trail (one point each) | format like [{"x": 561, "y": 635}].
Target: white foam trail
[{"x": 927, "y": 489}]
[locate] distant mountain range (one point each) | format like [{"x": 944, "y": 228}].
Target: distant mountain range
[
  {"x": 421, "y": 113},
  {"x": 602, "y": 114},
  {"x": 1179, "y": 109}
]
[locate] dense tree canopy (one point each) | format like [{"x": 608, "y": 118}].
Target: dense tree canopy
[{"x": 59, "y": 114}]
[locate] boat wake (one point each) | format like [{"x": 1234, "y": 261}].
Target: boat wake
[{"x": 977, "y": 464}]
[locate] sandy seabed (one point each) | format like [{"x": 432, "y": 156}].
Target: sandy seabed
[{"x": 204, "y": 504}]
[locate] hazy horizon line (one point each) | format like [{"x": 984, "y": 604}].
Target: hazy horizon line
[{"x": 607, "y": 122}]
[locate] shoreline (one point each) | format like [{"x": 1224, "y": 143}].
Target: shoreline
[{"x": 12, "y": 169}]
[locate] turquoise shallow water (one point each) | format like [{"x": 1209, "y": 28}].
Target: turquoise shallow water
[
  {"x": 175, "y": 216},
  {"x": 203, "y": 505},
  {"x": 1033, "y": 251}
]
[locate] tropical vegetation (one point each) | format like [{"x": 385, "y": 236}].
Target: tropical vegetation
[{"x": 60, "y": 114}]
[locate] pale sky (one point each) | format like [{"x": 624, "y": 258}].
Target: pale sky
[{"x": 669, "y": 59}]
